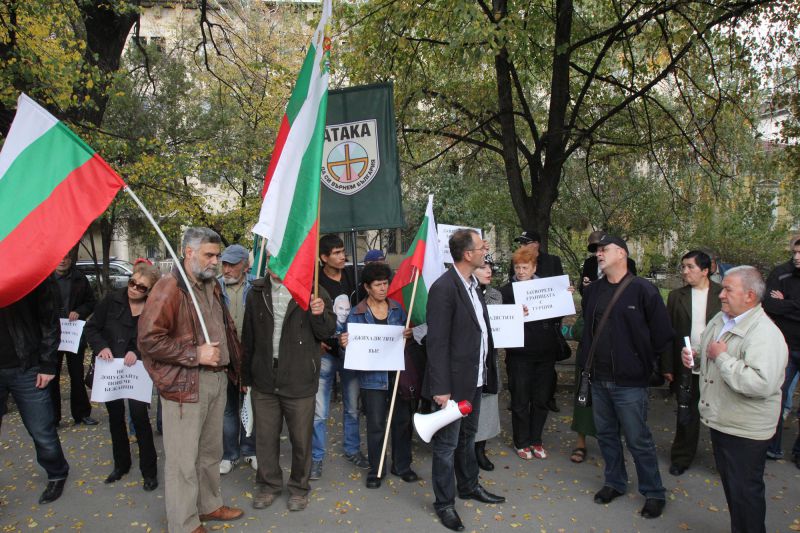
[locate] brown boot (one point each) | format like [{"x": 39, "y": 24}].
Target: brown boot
[{"x": 223, "y": 514}]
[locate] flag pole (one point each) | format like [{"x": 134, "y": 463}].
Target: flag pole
[
  {"x": 397, "y": 380},
  {"x": 316, "y": 252},
  {"x": 260, "y": 255},
  {"x": 178, "y": 264}
]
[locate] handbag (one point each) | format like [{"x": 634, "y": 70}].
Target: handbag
[
  {"x": 584, "y": 397},
  {"x": 88, "y": 380},
  {"x": 564, "y": 352}
]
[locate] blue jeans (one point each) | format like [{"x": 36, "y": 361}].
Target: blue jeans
[
  {"x": 350, "y": 390},
  {"x": 792, "y": 368},
  {"x": 625, "y": 409},
  {"x": 235, "y": 443},
  {"x": 36, "y": 411}
]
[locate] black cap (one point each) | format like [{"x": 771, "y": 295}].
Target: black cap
[
  {"x": 528, "y": 237},
  {"x": 609, "y": 239}
]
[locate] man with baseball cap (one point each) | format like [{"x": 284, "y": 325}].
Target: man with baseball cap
[
  {"x": 625, "y": 350},
  {"x": 590, "y": 271},
  {"x": 235, "y": 283}
]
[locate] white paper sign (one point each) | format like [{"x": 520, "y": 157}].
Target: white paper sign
[
  {"x": 508, "y": 327},
  {"x": 545, "y": 298},
  {"x": 374, "y": 347},
  {"x": 113, "y": 380},
  {"x": 443, "y": 233},
  {"x": 71, "y": 335}
]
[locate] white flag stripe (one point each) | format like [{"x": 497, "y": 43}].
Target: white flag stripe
[
  {"x": 31, "y": 122},
  {"x": 434, "y": 263}
]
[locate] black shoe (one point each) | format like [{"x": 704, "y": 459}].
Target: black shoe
[
  {"x": 358, "y": 459},
  {"x": 115, "y": 475},
  {"x": 408, "y": 476},
  {"x": 52, "y": 492},
  {"x": 150, "y": 484},
  {"x": 450, "y": 519},
  {"x": 652, "y": 508},
  {"x": 373, "y": 482},
  {"x": 551, "y": 405},
  {"x": 480, "y": 455},
  {"x": 797, "y": 461},
  {"x": 607, "y": 495},
  {"x": 677, "y": 470},
  {"x": 482, "y": 495},
  {"x": 87, "y": 421}
]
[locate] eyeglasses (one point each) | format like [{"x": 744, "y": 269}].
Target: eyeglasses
[{"x": 138, "y": 286}]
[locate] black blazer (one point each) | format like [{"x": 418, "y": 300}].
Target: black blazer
[
  {"x": 112, "y": 326},
  {"x": 453, "y": 342}
]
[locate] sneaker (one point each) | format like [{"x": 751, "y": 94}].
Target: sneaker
[
  {"x": 538, "y": 452},
  {"x": 252, "y": 461},
  {"x": 358, "y": 459},
  {"x": 316, "y": 470},
  {"x": 226, "y": 466},
  {"x": 524, "y": 453},
  {"x": 774, "y": 455}
]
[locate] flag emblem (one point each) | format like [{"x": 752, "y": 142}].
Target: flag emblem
[{"x": 350, "y": 155}]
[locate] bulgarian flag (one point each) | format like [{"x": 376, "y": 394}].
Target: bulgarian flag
[
  {"x": 424, "y": 257},
  {"x": 52, "y": 186},
  {"x": 288, "y": 218}
]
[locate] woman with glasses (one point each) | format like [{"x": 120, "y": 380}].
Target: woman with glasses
[{"x": 111, "y": 332}]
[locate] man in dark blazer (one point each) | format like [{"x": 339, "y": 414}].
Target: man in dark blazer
[
  {"x": 459, "y": 340},
  {"x": 690, "y": 308}
]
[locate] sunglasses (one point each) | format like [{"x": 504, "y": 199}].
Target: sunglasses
[{"x": 138, "y": 286}]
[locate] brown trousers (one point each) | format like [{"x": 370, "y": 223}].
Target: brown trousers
[{"x": 270, "y": 410}]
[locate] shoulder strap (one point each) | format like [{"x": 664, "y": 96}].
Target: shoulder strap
[{"x": 617, "y": 293}]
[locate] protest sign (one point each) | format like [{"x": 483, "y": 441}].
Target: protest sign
[
  {"x": 71, "y": 332},
  {"x": 374, "y": 347},
  {"x": 545, "y": 297},
  {"x": 113, "y": 380},
  {"x": 507, "y": 325},
  {"x": 443, "y": 233}
]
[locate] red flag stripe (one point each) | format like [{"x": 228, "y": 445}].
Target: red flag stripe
[{"x": 300, "y": 275}]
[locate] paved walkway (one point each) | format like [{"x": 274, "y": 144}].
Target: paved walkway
[{"x": 553, "y": 495}]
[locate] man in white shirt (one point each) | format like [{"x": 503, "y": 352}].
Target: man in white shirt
[{"x": 690, "y": 308}]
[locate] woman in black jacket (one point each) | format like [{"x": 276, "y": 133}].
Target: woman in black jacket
[
  {"x": 111, "y": 332},
  {"x": 530, "y": 368}
]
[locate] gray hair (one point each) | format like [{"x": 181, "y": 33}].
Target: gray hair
[
  {"x": 751, "y": 279},
  {"x": 194, "y": 237}
]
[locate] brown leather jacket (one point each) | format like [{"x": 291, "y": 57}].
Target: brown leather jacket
[{"x": 169, "y": 334}]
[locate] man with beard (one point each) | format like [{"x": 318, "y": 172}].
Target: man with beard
[
  {"x": 191, "y": 376},
  {"x": 782, "y": 304},
  {"x": 235, "y": 283}
]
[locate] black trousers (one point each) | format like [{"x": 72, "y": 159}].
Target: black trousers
[
  {"x": 79, "y": 404},
  {"x": 531, "y": 386},
  {"x": 376, "y": 406},
  {"x": 144, "y": 436},
  {"x": 740, "y": 463},
  {"x": 454, "y": 465},
  {"x": 684, "y": 446}
]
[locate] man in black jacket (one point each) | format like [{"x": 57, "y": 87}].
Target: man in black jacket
[
  {"x": 282, "y": 363},
  {"x": 77, "y": 303},
  {"x": 29, "y": 338},
  {"x": 637, "y": 329},
  {"x": 459, "y": 340},
  {"x": 782, "y": 303}
]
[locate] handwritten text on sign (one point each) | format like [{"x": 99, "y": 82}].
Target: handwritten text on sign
[
  {"x": 71, "y": 335},
  {"x": 545, "y": 297},
  {"x": 507, "y": 325},
  {"x": 443, "y": 233},
  {"x": 113, "y": 380},
  {"x": 374, "y": 347}
]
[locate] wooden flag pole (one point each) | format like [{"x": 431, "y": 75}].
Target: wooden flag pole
[
  {"x": 178, "y": 264},
  {"x": 397, "y": 380},
  {"x": 316, "y": 253}
]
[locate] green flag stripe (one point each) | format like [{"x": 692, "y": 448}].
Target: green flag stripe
[
  {"x": 38, "y": 169},
  {"x": 301, "y": 87},
  {"x": 306, "y": 193}
]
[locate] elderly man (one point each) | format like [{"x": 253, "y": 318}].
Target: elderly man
[
  {"x": 459, "y": 368},
  {"x": 782, "y": 303},
  {"x": 235, "y": 282},
  {"x": 624, "y": 355},
  {"x": 29, "y": 337},
  {"x": 742, "y": 361},
  {"x": 191, "y": 376},
  {"x": 282, "y": 364}
]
